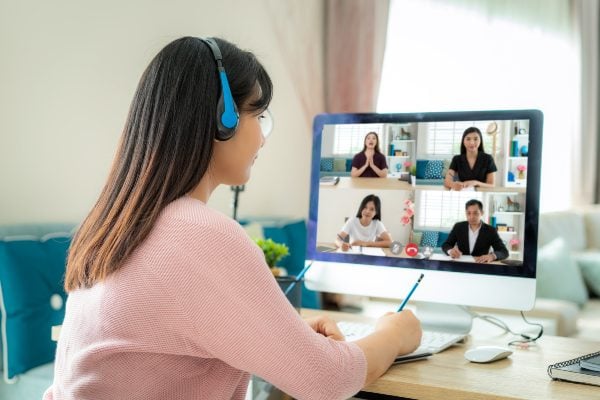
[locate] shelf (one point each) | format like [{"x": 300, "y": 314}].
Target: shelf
[
  {"x": 403, "y": 140},
  {"x": 517, "y": 158},
  {"x": 507, "y": 232},
  {"x": 399, "y": 156},
  {"x": 508, "y": 213},
  {"x": 522, "y": 183}
]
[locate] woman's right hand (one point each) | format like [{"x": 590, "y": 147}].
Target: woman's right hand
[
  {"x": 403, "y": 328},
  {"x": 346, "y": 246},
  {"x": 395, "y": 334}
]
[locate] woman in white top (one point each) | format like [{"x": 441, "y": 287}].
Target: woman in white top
[{"x": 366, "y": 229}]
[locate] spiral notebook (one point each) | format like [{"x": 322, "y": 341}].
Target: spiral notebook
[{"x": 573, "y": 371}]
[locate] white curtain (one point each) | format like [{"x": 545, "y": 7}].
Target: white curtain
[
  {"x": 586, "y": 151},
  {"x": 444, "y": 55}
]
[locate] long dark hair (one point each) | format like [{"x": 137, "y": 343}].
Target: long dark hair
[
  {"x": 376, "y": 201},
  {"x": 463, "y": 149},
  {"x": 365, "y": 142},
  {"x": 165, "y": 149}
]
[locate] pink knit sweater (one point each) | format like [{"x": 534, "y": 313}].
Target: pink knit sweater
[{"x": 191, "y": 313}]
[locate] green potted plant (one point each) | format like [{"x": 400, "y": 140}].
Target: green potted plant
[{"x": 274, "y": 252}]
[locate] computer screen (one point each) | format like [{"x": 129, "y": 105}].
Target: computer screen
[{"x": 396, "y": 195}]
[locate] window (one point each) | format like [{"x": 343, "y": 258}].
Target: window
[
  {"x": 443, "y": 138},
  {"x": 454, "y": 55},
  {"x": 350, "y": 138},
  {"x": 441, "y": 209}
]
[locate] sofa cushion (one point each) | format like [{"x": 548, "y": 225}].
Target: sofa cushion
[
  {"x": 443, "y": 236},
  {"x": 592, "y": 227},
  {"x": 589, "y": 264},
  {"x": 339, "y": 164},
  {"x": 569, "y": 225},
  {"x": 421, "y": 167},
  {"x": 430, "y": 238},
  {"x": 348, "y": 164},
  {"x": 327, "y": 164},
  {"x": 433, "y": 170},
  {"x": 446, "y": 167},
  {"x": 558, "y": 276},
  {"x": 31, "y": 299},
  {"x": 417, "y": 237}
]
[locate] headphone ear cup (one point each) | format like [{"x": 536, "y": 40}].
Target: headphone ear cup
[{"x": 224, "y": 132}]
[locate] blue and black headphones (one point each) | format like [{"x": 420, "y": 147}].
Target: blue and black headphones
[{"x": 227, "y": 113}]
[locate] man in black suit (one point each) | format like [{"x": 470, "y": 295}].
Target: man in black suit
[{"x": 475, "y": 237}]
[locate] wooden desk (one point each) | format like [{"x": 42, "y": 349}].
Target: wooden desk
[
  {"x": 447, "y": 375},
  {"x": 386, "y": 250},
  {"x": 369, "y": 183},
  {"x": 392, "y": 183}
]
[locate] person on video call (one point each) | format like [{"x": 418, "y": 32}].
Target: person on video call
[
  {"x": 366, "y": 228},
  {"x": 473, "y": 166},
  {"x": 169, "y": 298},
  {"x": 369, "y": 163},
  {"x": 474, "y": 237}
]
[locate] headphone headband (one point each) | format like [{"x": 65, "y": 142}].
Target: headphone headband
[{"x": 227, "y": 114}]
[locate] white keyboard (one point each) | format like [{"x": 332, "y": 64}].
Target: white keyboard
[{"x": 431, "y": 341}]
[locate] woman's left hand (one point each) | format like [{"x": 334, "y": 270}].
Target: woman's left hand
[
  {"x": 360, "y": 243},
  {"x": 473, "y": 183},
  {"x": 326, "y": 327}
]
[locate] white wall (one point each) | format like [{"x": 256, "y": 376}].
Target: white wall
[{"x": 68, "y": 70}]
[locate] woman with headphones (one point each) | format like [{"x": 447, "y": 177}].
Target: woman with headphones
[{"x": 170, "y": 299}]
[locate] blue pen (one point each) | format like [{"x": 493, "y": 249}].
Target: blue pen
[
  {"x": 298, "y": 279},
  {"x": 410, "y": 293}
]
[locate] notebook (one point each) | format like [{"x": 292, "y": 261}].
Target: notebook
[{"x": 575, "y": 370}]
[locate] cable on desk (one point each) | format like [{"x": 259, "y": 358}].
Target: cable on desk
[{"x": 527, "y": 339}]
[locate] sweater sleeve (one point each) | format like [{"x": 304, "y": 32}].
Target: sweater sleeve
[{"x": 235, "y": 311}]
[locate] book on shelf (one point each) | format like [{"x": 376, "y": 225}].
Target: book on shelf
[
  {"x": 584, "y": 369},
  {"x": 329, "y": 180}
]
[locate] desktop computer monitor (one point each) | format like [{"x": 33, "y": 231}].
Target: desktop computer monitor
[{"x": 419, "y": 212}]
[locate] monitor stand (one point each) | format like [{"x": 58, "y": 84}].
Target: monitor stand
[{"x": 444, "y": 317}]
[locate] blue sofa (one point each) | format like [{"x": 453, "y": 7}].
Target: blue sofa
[
  {"x": 335, "y": 166},
  {"x": 434, "y": 239},
  {"x": 32, "y": 261}
]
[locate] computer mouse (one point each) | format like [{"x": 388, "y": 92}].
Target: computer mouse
[{"x": 485, "y": 354}]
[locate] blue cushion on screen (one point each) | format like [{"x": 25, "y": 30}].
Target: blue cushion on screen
[
  {"x": 31, "y": 278},
  {"x": 339, "y": 164},
  {"x": 433, "y": 170},
  {"x": 326, "y": 164},
  {"x": 348, "y": 164},
  {"x": 417, "y": 237},
  {"x": 442, "y": 237},
  {"x": 430, "y": 238},
  {"x": 421, "y": 166}
]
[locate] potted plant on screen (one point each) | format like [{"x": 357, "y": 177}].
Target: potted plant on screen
[{"x": 274, "y": 252}]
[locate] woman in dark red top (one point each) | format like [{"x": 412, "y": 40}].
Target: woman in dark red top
[
  {"x": 369, "y": 163},
  {"x": 473, "y": 167}
]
